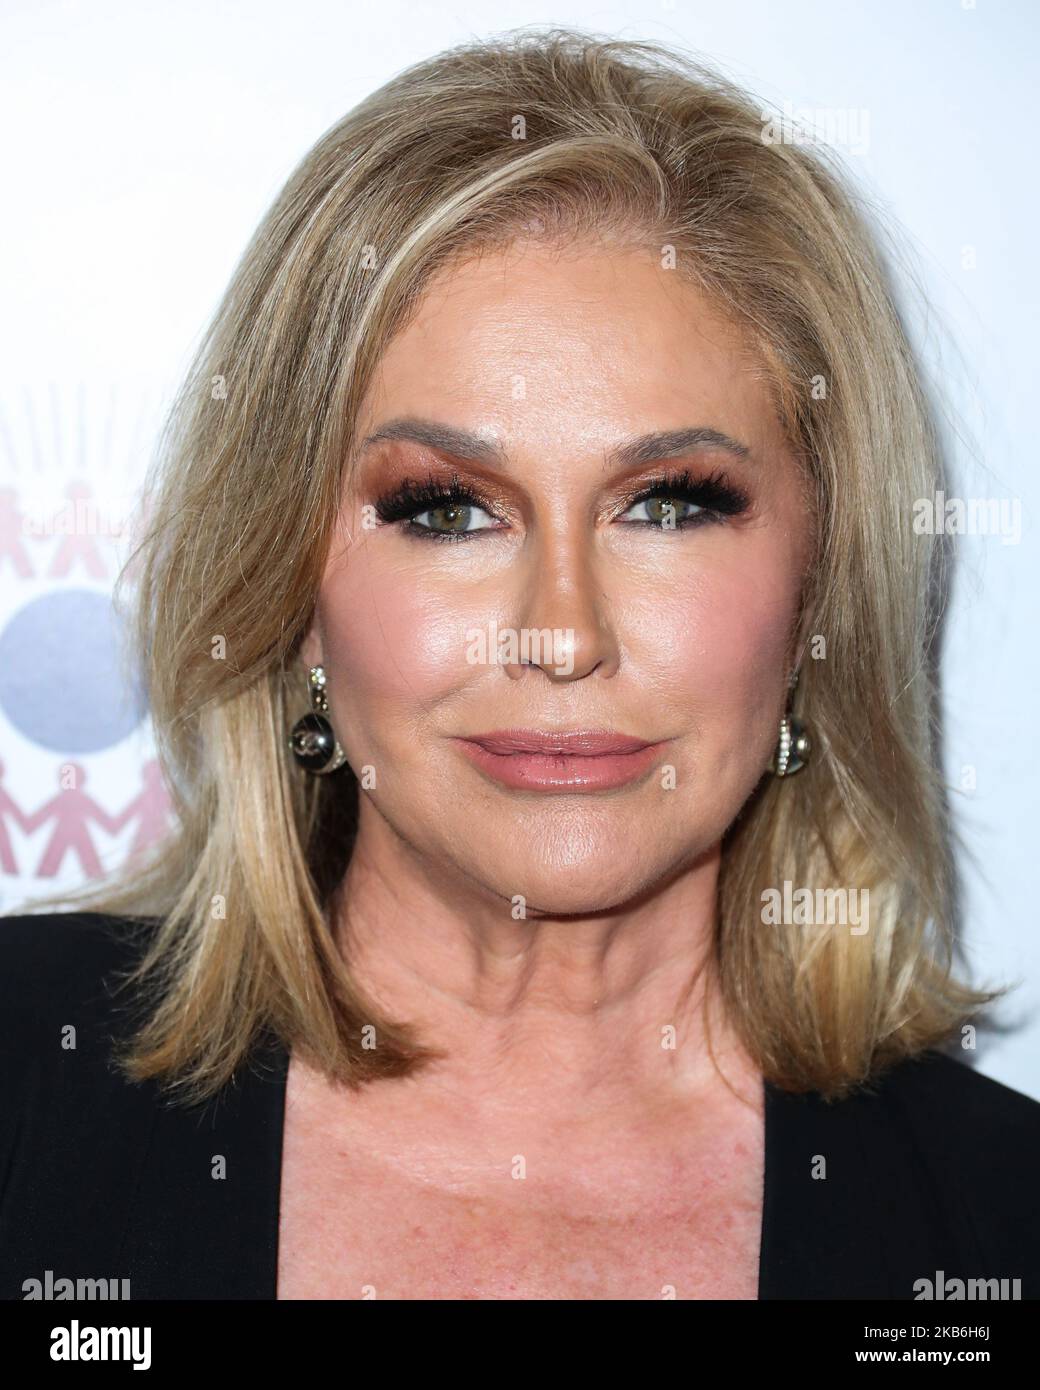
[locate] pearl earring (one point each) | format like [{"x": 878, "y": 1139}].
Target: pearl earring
[{"x": 794, "y": 744}]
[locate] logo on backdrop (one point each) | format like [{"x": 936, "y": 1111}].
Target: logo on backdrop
[{"x": 80, "y": 788}]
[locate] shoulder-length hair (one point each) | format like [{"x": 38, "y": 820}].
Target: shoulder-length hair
[{"x": 581, "y": 137}]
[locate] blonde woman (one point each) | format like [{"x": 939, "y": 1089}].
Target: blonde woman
[{"x": 538, "y": 646}]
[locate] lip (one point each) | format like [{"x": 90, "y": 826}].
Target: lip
[{"x": 580, "y": 760}]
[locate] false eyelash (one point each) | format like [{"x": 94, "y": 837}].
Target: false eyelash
[
  {"x": 715, "y": 493},
  {"x": 413, "y": 496}
]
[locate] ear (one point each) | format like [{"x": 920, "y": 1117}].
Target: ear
[
  {"x": 311, "y": 647},
  {"x": 804, "y": 635}
]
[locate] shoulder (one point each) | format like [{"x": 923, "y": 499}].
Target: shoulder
[
  {"x": 983, "y": 1134},
  {"x": 946, "y": 1098},
  {"x": 73, "y": 1131},
  {"x": 60, "y": 942},
  {"x": 946, "y": 1112},
  {"x": 929, "y": 1167},
  {"x": 976, "y": 1151},
  {"x": 60, "y": 984}
]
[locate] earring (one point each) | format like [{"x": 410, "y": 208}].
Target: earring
[
  {"x": 794, "y": 744},
  {"x": 313, "y": 741}
]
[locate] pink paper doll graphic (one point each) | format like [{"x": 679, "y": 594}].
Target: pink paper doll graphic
[
  {"x": 9, "y": 808},
  {"x": 151, "y": 807},
  {"x": 79, "y": 541},
  {"x": 73, "y": 811}
]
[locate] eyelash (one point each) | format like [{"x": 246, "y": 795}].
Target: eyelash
[{"x": 715, "y": 494}]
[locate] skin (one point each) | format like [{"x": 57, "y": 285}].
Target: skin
[{"x": 686, "y": 636}]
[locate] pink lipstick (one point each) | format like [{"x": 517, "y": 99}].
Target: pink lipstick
[{"x": 582, "y": 760}]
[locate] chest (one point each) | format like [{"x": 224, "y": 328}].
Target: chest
[{"x": 358, "y": 1223}]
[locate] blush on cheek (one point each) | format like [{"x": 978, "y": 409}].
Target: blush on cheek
[
  {"x": 714, "y": 652},
  {"x": 743, "y": 691},
  {"x": 718, "y": 623},
  {"x": 392, "y": 640},
  {"x": 740, "y": 647}
]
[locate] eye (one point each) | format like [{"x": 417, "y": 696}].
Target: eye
[
  {"x": 665, "y": 512},
  {"x": 453, "y": 519},
  {"x": 680, "y": 502},
  {"x": 433, "y": 510}
]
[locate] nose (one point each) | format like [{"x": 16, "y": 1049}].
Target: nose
[{"x": 566, "y": 623}]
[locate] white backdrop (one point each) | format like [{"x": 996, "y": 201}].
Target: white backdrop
[{"x": 143, "y": 142}]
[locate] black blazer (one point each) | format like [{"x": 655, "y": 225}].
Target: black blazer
[{"x": 931, "y": 1176}]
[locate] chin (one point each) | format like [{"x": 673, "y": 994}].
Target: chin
[
  {"x": 598, "y": 884},
  {"x": 572, "y": 860}
]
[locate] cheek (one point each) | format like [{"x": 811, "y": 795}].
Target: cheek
[
  {"x": 716, "y": 642},
  {"x": 395, "y": 640}
]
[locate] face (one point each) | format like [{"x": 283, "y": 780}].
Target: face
[{"x": 558, "y": 611}]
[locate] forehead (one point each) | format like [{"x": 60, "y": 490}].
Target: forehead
[{"x": 594, "y": 339}]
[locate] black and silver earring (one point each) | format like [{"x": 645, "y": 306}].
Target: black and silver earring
[
  {"x": 313, "y": 740},
  {"x": 794, "y": 744}
]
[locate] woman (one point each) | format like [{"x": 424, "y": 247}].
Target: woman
[{"x": 538, "y": 649}]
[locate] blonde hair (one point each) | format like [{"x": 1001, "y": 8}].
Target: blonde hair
[{"x": 581, "y": 137}]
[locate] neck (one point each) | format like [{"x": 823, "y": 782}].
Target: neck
[{"x": 606, "y": 1013}]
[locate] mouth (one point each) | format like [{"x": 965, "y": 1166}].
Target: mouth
[{"x": 580, "y": 760}]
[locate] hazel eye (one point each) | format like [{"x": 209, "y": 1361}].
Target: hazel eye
[
  {"x": 453, "y": 518},
  {"x": 665, "y": 512}
]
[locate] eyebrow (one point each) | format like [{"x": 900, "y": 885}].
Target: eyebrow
[{"x": 646, "y": 448}]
